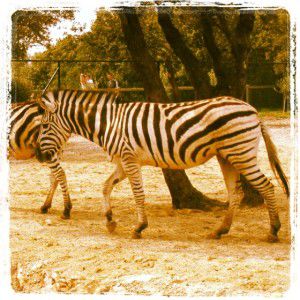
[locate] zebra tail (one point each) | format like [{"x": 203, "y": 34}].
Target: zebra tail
[{"x": 274, "y": 160}]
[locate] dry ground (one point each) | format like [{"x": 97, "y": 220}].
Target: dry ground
[{"x": 173, "y": 258}]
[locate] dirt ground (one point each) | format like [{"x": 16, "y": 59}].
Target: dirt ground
[{"x": 173, "y": 258}]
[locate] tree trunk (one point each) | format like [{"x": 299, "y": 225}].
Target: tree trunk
[
  {"x": 239, "y": 41},
  {"x": 192, "y": 65},
  {"x": 242, "y": 47},
  {"x": 171, "y": 77},
  {"x": 143, "y": 62},
  {"x": 222, "y": 87},
  {"x": 184, "y": 195}
]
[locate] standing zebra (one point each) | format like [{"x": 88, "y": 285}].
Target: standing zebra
[
  {"x": 25, "y": 121},
  {"x": 175, "y": 136}
]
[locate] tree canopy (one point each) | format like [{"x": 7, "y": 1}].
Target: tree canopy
[
  {"x": 31, "y": 27},
  {"x": 198, "y": 27}
]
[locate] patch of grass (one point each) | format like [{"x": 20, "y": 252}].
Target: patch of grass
[{"x": 274, "y": 114}]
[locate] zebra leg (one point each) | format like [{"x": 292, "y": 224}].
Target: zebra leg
[
  {"x": 48, "y": 202},
  {"x": 263, "y": 185},
  {"x": 133, "y": 172},
  {"x": 235, "y": 195},
  {"x": 117, "y": 176},
  {"x": 60, "y": 176}
]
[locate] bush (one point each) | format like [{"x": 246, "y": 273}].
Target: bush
[{"x": 21, "y": 90}]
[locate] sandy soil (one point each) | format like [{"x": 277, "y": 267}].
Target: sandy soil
[{"x": 173, "y": 258}]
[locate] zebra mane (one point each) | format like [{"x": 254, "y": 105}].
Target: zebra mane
[{"x": 118, "y": 98}]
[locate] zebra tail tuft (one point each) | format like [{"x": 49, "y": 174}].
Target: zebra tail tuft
[{"x": 274, "y": 160}]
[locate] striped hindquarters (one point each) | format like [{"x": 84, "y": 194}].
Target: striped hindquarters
[{"x": 24, "y": 128}]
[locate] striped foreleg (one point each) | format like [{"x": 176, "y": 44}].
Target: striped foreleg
[
  {"x": 235, "y": 195},
  {"x": 47, "y": 204},
  {"x": 117, "y": 176},
  {"x": 133, "y": 171},
  {"x": 60, "y": 176}
]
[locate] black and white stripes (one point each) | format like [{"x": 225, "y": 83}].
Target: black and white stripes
[
  {"x": 25, "y": 121},
  {"x": 175, "y": 136}
]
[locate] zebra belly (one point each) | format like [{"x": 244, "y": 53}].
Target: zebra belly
[
  {"x": 147, "y": 160},
  {"x": 189, "y": 163}
]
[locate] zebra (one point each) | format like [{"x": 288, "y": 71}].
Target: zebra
[
  {"x": 25, "y": 120},
  {"x": 175, "y": 136}
]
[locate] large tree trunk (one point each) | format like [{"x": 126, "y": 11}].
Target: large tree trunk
[
  {"x": 239, "y": 41},
  {"x": 184, "y": 195},
  {"x": 222, "y": 87},
  {"x": 141, "y": 58},
  {"x": 243, "y": 32},
  {"x": 240, "y": 45}
]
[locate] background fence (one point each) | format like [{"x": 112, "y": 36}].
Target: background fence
[{"x": 34, "y": 76}]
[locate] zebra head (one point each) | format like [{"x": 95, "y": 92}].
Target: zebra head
[{"x": 53, "y": 133}]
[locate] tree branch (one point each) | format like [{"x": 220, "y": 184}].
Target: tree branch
[{"x": 193, "y": 67}]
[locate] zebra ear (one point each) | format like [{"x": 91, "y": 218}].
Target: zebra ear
[{"x": 47, "y": 105}]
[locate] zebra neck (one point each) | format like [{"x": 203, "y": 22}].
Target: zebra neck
[{"x": 90, "y": 116}]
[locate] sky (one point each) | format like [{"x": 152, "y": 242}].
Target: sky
[{"x": 84, "y": 17}]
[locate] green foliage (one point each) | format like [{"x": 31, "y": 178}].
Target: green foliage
[
  {"x": 273, "y": 114},
  {"x": 21, "y": 85},
  {"x": 32, "y": 27},
  {"x": 20, "y": 90},
  {"x": 271, "y": 43}
]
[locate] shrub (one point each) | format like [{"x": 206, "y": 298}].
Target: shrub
[{"x": 21, "y": 90}]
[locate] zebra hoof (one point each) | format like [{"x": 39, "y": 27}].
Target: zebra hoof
[
  {"x": 65, "y": 216},
  {"x": 136, "y": 235},
  {"x": 44, "y": 209},
  {"x": 272, "y": 238},
  {"x": 111, "y": 226},
  {"x": 214, "y": 236}
]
